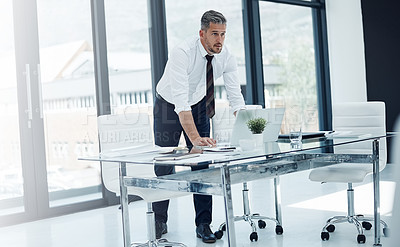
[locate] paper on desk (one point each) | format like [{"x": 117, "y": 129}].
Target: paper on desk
[
  {"x": 346, "y": 134},
  {"x": 204, "y": 157},
  {"x": 216, "y": 149},
  {"x": 177, "y": 156},
  {"x": 139, "y": 150}
]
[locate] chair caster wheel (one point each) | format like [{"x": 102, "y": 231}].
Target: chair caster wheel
[
  {"x": 325, "y": 236},
  {"x": 261, "y": 224},
  {"x": 330, "y": 228},
  {"x": 219, "y": 234},
  {"x": 366, "y": 225},
  {"x": 279, "y": 230},
  {"x": 386, "y": 232},
  {"x": 253, "y": 236},
  {"x": 361, "y": 239}
]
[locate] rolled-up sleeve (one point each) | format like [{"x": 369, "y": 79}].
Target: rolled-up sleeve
[
  {"x": 232, "y": 85},
  {"x": 177, "y": 67}
]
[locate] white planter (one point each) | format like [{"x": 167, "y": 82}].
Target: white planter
[{"x": 258, "y": 139}]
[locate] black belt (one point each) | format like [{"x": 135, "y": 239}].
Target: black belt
[{"x": 158, "y": 96}]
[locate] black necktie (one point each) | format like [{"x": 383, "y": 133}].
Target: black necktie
[{"x": 210, "y": 103}]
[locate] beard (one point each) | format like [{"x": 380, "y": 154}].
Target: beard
[{"x": 214, "y": 49}]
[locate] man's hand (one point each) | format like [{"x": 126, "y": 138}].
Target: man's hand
[
  {"x": 204, "y": 141},
  {"x": 187, "y": 122},
  {"x": 196, "y": 150}
]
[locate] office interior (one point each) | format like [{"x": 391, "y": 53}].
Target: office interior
[{"x": 63, "y": 63}]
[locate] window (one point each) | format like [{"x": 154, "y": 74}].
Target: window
[
  {"x": 128, "y": 55},
  {"x": 295, "y": 62},
  {"x": 11, "y": 180},
  {"x": 289, "y": 62},
  {"x": 68, "y": 89}
]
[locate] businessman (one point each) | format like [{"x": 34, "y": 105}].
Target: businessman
[{"x": 185, "y": 103}]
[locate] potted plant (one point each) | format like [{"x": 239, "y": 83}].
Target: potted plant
[{"x": 257, "y": 126}]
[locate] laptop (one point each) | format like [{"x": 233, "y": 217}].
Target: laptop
[{"x": 274, "y": 117}]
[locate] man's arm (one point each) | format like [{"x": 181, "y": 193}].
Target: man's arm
[
  {"x": 232, "y": 85},
  {"x": 187, "y": 122}
]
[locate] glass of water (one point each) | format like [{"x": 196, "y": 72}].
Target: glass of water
[{"x": 295, "y": 134}]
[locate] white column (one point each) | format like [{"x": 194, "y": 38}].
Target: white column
[{"x": 346, "y": 51}]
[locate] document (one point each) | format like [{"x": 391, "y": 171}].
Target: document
[
  {"x": 346, "y": 134},
  {"x": 178, "y": 156},
  {"x": 216, "y": 149}
]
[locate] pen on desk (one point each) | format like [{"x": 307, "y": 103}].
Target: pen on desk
[
  {"x": 228, "y": 148},
  {"x": 214, "y": 149}
]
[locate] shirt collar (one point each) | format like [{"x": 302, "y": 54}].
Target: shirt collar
[{"x": 203, "y": 51}]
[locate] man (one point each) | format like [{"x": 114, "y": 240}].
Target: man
[{"x": 185, "y": 102}]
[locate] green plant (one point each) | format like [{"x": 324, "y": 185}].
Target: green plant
[{"x": 256, "y": 125}]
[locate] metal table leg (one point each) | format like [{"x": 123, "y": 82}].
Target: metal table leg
[
  {"x": 124, "y": 205},
  {"x": 376, "y": 179},
  {"x": 230, "y": 221},
  {"x": 277, "y": 191}
]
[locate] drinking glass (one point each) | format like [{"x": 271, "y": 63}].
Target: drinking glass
[{"x": 295, "y": 134}]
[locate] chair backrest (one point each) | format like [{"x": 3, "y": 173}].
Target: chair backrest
[
  {"x": 122, "y": 133},
  {"x": 361, "y": 118},
  {"x": 394, "y": 239}
]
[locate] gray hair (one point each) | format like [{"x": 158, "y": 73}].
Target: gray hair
[{"x": 211, "y": 16}]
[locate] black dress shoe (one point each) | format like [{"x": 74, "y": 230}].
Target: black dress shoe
[
  {"x": 161, "y": 228},
  {"x": 204, "y": 232}
]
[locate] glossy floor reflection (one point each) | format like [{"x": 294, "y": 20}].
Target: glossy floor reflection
[{"x": 305, "y": 206}]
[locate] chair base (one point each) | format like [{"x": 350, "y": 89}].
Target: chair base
[
  {"x": 359, "y": 221},
  {"x": 151, "y": 232},
  {"x": 157, "y": 242},
  {"x": 248, "y": 217}
]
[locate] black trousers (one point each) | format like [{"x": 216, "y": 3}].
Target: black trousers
[{"x": 167, "y": 132}]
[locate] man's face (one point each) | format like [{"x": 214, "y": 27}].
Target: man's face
[{"x": 213, "y": 38}]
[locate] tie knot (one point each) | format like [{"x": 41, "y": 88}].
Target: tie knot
[{"x": 209, "y": 58}]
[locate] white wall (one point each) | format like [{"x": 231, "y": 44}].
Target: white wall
[{"x": 346, "y": 51}]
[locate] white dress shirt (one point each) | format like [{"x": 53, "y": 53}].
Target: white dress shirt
[{"x": 183, "y": 83}]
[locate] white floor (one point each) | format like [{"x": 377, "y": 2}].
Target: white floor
[{"x": 305, "y": 206}]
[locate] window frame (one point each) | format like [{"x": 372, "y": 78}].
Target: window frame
[{"x": 254, "y": 62}]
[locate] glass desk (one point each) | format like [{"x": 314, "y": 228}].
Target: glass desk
[{"x": 227, "y": 168}]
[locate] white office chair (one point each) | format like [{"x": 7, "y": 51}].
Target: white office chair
[
  {"x": 122, "y": 133},
  {"x": 394, "y": 239},
  {"x": 222, "y": 125},
  {"x": 359, "y": 118}
]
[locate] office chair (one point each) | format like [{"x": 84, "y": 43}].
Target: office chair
[
  {"x": 123, "y": 133},
  {"x": 359, "y": 118},
  {"x": 222, "y": 125}
]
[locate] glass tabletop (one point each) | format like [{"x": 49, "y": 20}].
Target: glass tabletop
[{"x": 163, "y": 155}]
